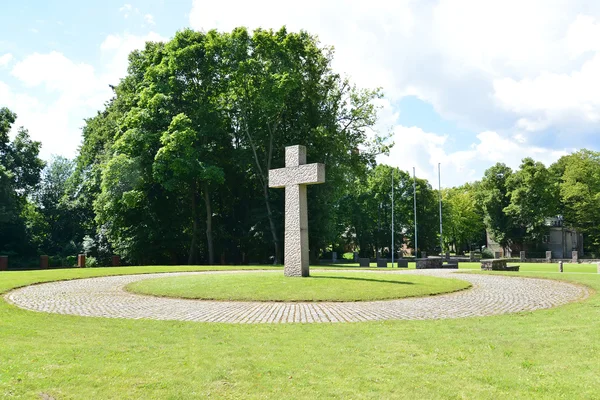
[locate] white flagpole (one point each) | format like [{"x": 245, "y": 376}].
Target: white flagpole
[
  {"x": 392, "y": 218},
  {"x": 415, "y": 210},
  {"x": 440, "y": 197}
]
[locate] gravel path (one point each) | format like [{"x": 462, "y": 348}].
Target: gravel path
[{"x": 106, "y": 297}]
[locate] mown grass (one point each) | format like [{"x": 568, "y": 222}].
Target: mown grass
[
  {"x": 320, "y": 286},
  {"x": 544, "y": 354}
]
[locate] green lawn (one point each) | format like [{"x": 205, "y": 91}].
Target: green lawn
[
  {"x": 320, "y": 286},
  {"x": 544, "y": 354}
]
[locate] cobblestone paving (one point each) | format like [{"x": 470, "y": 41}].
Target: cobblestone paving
[{"x": 106, "y": 297}]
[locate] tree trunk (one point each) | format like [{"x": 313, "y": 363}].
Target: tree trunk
[
  {"x": 192, "y": 254},
  {"x": 209, "y": 233},
  {"x": 276, "y": 244}
]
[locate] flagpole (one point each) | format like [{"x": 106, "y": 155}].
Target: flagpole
[
  {"x": 392, "y": 218},
  {"x": 440, "y": 197},
  {"x": 415, "y": 211}
]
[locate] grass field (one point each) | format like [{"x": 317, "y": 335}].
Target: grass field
[
  {"x": 544, "y": 354},
  {"x": 320, "y": 286}
]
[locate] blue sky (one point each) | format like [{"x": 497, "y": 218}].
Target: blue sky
[{"x": 468, "y": 83}]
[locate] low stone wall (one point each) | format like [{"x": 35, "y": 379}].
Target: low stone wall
[
  {"x": 497, "y": 265},
  {"x": 402, "y": 263},
  {"x": 428, "y": 263},
  {"x": 450, "y": 265},
  {"x": 382, "y": 263}
]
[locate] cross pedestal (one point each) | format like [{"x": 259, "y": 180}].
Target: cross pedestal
[{"x": 294, "y": 178}]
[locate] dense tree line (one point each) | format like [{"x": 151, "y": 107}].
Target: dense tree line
[{"x": 174, "y": 168}]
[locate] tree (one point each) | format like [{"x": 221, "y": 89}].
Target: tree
[
  {"x": 462, "y": 218},
  {"x": 580, "y": 194},
  {"x": 62, "y": 231},
  {"x": 19, "y": 174},
  {"x": 284, "y": 92},
  {"x": 493, "y": 196},
  {"x": 533, "y": 199}
]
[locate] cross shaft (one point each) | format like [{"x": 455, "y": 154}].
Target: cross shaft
[{"x": 294, "y": 178}]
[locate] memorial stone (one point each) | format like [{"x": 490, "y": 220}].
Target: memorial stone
[
  {"x": 364, "y": 262},
  {"x": 497, "y": 255},
  {"x": 3, "y": 263},
  {"x": 44, "y": 262},
  {"x": 548, "y": 256},
  {"x": 81, "y": 261},
  {"x": 427, "y": 263},
  {"x": 522, "y": 255},
  {"x": 294, "y": 178},
  {"x": 575, "y": 256},
  {"x": 116, "y": 260}
]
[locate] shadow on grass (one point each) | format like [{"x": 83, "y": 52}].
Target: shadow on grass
[{"x": 361, "y": 279}]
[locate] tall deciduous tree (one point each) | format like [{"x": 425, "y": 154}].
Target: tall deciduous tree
[
  {"x": 579, "y": 179},
  {"x": 493, "y": 196},
  {"x": 462, "y": 218},
  {"x": 533, "y": 199},
  {"x": 20, "y": 169}
]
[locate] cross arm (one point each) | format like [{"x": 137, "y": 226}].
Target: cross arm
[{"x": 307, "y": 174}]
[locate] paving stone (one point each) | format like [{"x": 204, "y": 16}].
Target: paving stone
[{"x": 106, "y": 297}]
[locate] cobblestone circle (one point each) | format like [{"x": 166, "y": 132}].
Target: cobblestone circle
[{"x": 106, "y": 297}]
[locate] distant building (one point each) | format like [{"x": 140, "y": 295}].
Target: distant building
[{"x": 560, "y": 240}]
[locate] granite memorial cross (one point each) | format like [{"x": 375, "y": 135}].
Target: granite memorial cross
[{"x": 294, "y": 178}]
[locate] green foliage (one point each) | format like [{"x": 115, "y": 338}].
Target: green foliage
[
  {"x": 91, "y": 262},
  {"x": 533, "y": 199},
  {"x": 19, "y": 174},
  {"x": 463, "y": 226},
  {"x": 494, "y": 197},
  {"x": 367, "y": 210},
  {"x": 487, "y": 254},
  {"x": 579, "y": 186},
  {"x": 186, "y": 144}
]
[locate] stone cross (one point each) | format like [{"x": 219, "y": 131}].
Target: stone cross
[{"x": 294, "y": 178}]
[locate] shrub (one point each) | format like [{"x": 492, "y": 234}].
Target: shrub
[
  {"x": 487, "y": 253},
  {"x": 71, "y": 261},
  {"x": 91, "y": 262}
]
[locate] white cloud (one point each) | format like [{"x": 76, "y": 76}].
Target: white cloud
[
  {"x": 5, "y": 59},
  {"x": 424, "y": 150},
  {"x": 553, "y": 99},
  {"x": 56, "y": 73},
  {"x": 126, "y": 10},
  {"x": 470, "y": 59},
  {"x": 60, "y": 93},
  {"x": 115, "y": 51},
  {"x": 149, "y": 19}
]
